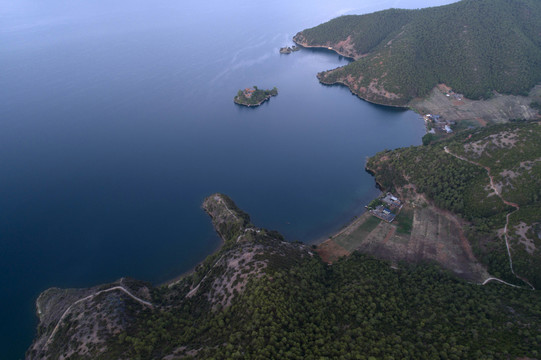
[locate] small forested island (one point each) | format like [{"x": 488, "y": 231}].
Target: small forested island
[
  {"x": 289, "y": 49},
  {"x": 254, "y": 96}
]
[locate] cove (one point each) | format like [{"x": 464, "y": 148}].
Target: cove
[{"x": 117, "y": 120}]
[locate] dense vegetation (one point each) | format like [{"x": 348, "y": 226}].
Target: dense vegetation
[
  {"x": 474, "y": 46},
  {"x": 513, "y": 154},
  {"x": 255, "y": 97},
  {"x": 359, "y": 308}
]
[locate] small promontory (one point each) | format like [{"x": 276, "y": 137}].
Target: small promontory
[{"x": 253, "y": 96}]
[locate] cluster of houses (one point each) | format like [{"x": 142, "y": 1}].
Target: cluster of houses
[
  {"x": 248, "y": 93},
  {"x": 389, "y": 208},
  {"x": 438, "y": 124}
]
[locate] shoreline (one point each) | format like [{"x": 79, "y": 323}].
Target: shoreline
[
  {"x": 324, "y": 48},
  {"x": 252, "y": 105},
  {"x": 340, "y": 83},
  {"x": 355, "y": 214},
  {"x": 190, "y": 271}
]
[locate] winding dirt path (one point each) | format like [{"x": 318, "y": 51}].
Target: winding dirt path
[
  {"x": 498, "y": 280},
  {"x": 89, "y": 297},
  {"x": 517, "y": 208}
]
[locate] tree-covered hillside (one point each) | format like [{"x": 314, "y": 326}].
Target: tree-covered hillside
[
  {"x": 359, "y": 308},
  {"x": 474, "y": 46},
  {"x": 454, "y": 174}
]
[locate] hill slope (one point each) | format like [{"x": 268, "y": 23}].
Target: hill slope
[
  {"x": 492, "y": 178},
  {"x": 474, "y": 46},
  {"x": 262, "y": 298}
]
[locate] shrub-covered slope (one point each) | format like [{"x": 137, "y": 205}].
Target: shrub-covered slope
[{"x": 474, "y": 46}]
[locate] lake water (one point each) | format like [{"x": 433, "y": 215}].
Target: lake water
[{"x": 117, "y": 120}]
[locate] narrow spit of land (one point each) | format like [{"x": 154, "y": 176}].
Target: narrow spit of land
[{"x": 517, "y": 208}]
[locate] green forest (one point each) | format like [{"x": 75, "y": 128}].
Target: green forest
[
  {"x": 474, "y": 46},
  {"x": 359, "y": 308}
]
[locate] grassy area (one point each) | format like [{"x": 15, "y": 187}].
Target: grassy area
[
  {"x": 404, "y": 221},
  {"x": 351, "y": 240},
  {"x": 374, "y": 204},
  {"x": 370, "y": 224}
]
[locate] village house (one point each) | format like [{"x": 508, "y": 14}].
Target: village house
[{"x": 248, "y": 92}]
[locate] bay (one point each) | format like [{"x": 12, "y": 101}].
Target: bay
[{"x": 117, "y": 120}]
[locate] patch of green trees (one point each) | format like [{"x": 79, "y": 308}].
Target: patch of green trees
[{"x": 359, "y": 308}]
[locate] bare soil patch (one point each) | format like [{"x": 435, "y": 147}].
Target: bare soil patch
[
  {"x": 521, "y": 230},
  {"x": 330, "y": 251},
  {"x": 498, "y": 109},
  {"x": 376, "y": 88},
  {"x": 482, "y": 121},
  {"x": 346, "y": 47},
  {"x": 436, "y": 235}
]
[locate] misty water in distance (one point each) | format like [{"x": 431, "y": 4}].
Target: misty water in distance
[{"x": 117, "y": 120}]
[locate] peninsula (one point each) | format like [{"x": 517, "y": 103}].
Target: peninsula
[
  {"x": 253, "y": 96},
  {"x": 400, "y": 56}
]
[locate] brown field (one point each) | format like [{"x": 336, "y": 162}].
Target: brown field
[
  {"x": 436, "y": 235},
  {"x": 329, "y": 251},
  {"x": 498, "y": 109}
]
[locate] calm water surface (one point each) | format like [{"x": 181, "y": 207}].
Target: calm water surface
[{"x": 117, "y": 119}]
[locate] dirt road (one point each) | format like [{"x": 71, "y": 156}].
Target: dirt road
[{"x": 517, "y": 208}]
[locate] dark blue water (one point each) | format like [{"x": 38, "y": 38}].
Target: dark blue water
[{"x": 117, "y": 119}]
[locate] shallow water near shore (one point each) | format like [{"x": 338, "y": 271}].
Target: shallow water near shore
[{"x": 117, "y": 120}]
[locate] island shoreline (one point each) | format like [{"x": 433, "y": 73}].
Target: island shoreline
[{"x": 253, "y": 105}]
